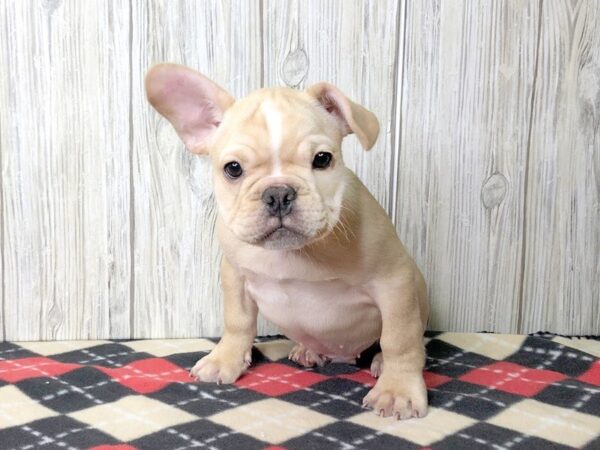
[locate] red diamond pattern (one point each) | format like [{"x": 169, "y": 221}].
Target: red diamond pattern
[
  {"x": 513, "y": 378},
  {"x": 147, "y": 375},
  {"x": 275, "y": 379},
  {"x": 592, "y": 375},
  {"x": 433, "y": 380},
  {"x": 17, "y": 370},
  {"x": 362, "y": 376}
]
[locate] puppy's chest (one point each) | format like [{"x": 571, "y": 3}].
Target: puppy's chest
[
  {"x": 329, "y": 316},
  {"x": 301, "y": 294}
]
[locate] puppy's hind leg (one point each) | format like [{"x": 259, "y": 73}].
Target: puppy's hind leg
[
  {"x": 306, "y": 357},
  {"x": 377, "y": 365}
]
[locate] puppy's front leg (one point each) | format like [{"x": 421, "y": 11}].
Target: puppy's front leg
[
  {"x": 233, "y": 354},
  {"x": 400, "y": 390}
]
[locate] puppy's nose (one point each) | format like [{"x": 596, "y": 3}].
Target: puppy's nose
[{"x": 278, "y": 200}]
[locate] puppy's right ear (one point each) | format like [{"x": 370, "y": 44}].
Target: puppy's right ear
[{"x": 191, "y": 102}]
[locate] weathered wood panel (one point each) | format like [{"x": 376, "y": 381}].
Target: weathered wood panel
[
  {"x": 561, "y": 289},
  {"x": 176, "y": 256},
  {"x": 350, "y": 44},
  {"x": 468, "y": 73},
  {"x": 488, "y": 158},
  {"x": 64, "y": 135}
]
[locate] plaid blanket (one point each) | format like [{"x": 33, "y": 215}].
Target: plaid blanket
[{"x": 485, "y": 390}]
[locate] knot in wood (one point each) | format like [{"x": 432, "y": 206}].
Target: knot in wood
[
  {"x": 494, "y": 190},
  {"x": 50, "y": 5},
  {"x": 294, "y": 68}
]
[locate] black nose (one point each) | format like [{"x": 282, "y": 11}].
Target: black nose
[{"x": 278, "y": 200}]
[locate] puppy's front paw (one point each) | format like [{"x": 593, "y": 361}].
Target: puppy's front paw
[
  {"x": 222, "y": 366},
  {"x": 305, "y": 357},
  {"x": 402, "y": 396}
]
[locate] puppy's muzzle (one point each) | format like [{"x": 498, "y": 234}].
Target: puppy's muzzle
[{"x": 279, "y": 200}]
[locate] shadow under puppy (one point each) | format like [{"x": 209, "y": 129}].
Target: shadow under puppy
[{"x": 304, "y": 242}]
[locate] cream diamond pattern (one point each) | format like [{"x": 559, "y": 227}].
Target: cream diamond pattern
[
  {"x": 17, "y": 408},
  {"x": 590, "y": 346},
  {"x": 432, "y": 428},
  {"x": 275, "y": 350},
  {"x": 272, "y": 420},
  {"x": 165, "y": 347},
  {"x": 567, "y": 426},
  {"x": 495, "y": 346},
  {"x": 132, "y": 417},
  {"x": 48, "y": 348}
]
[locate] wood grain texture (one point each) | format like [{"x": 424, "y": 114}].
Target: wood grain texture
[
  {"x": 467, "y": 82},
  {"x": 561, "y": 290},
  {"x": 64, "y": 101},
  {"x": 488, "y": 157},
  {"x": 176, "y": 256},
  {"x": 350, "y": 44}
]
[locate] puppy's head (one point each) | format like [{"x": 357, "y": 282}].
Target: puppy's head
[{"x": 276, "y": 154}]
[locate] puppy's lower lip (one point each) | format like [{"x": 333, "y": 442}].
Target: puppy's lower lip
[
  {"x": 281, "y": 232},
  {"x": 273, "y": 231},
  {"x": 280, "y": 228}
]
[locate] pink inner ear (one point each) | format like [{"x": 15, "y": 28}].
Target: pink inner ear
[
  {"x": 195, "y": 119},
  {"x": 329, "y": 105},
  {"x": 198, "y": 115},
  {"x": 191, "y": 102},
  {"x": 332, "y": 105}
]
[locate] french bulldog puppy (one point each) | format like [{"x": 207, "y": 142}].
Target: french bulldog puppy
[{"x": 303, "y": 240}]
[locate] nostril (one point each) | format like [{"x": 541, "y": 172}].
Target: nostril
[{"x": 290, "y": 195}]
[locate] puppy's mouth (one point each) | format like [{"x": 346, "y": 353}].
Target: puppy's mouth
[{"x": 282, "y": 237}]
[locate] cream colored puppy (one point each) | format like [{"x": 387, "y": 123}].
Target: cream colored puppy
[{"x": 304, "y": 242}]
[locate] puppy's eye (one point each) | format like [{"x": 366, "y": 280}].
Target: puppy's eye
[
  {"x": 322, "y": 160},
  {"x": 233, "y": 169}
]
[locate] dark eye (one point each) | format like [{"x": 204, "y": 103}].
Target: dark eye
[
  {"x": 322, "y": 160},
  {"x": 233, "y": 169}
]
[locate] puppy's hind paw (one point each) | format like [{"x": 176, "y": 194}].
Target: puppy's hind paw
[
  {"x": 377, "y": 365},
  {"x": 305, "y": 357}
]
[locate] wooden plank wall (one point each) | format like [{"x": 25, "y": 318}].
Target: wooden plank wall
[
  {"x": 488, "y": 160},
  {"x": 466, "y": 105},
  {"x": 65, "y": 131},
  {"x": 561, "y": 283}
]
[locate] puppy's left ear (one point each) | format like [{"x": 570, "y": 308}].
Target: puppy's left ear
[
  {"x": 351, "y": 117},
  {"x": 191, "y": 102}
]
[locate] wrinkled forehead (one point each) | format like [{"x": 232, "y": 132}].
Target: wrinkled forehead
[{"x": 274, "y": 120}]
